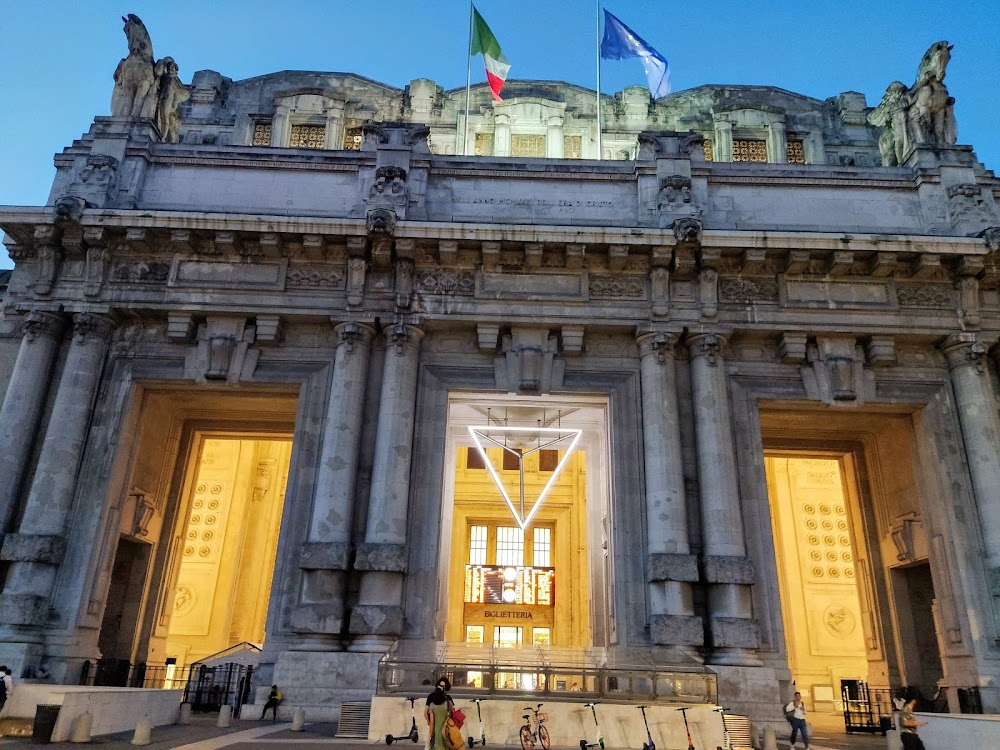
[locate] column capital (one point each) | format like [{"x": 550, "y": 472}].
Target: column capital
[
  {"x": 351, "y": 334},
  {"x": 43, "y": 323},
  {"x": 709, "y": 346},
  {"x": 402, "y": 336},
  {"x": 963, "y": 350},
  {"x": 660, "y": 345},
  {"x": 92, "y": 326}
]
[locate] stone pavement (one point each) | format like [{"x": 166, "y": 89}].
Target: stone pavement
[{"x": 202, "y": 734}]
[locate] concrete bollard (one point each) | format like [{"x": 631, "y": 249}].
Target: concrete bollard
[
  {"x": 770, "y": 741},
  {"x": 298, "y": 719},
  {"x": 893, "y": 741},
  {"x": 81, "y": 727},
  {"x": 184, "y": 716},
  {"x": 143, "y": 730},
  {"x": 225, "y": 717}
]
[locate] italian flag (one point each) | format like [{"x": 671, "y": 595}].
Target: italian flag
[{"x": 484, "y": 42}]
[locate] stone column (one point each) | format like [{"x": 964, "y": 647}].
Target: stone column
[
  {"x": 280, "y": 130},
  {"x": 378, "y": 617},
  {"x": 727, "y": 569},
  {"x": 672, "y": 567},
  {"x": 977, "y": 410},
  {"x": 777, "y": 143},
  {"x": 723, "y": 150},
  {"x": 325, "y": 555},
  {"x": 501, "y": 135},
  {"x": 554, "y": 145},
  {"x": 23, "y": 402},
  {"x": 36, "y": 551}
]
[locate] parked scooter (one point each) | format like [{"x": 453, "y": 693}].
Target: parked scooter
[
  {"x": 727, "y": 743},
  {"x": 648, "y": 744},
  {"x": 482, "y": 727},
  {"x": 412, "y": 734},
  {"x": 584, "y": 745},
  {"x": 687, "y": 728}
]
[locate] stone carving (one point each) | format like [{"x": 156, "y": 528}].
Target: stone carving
[
  {"x": 970, "y": 206},
  {"x": 381, "y": 221},
  {"x": 890, "y": 115},
  {"x": 310, "y": 276},
  {"x": 144, "y": 89},
  {"x": 921, "y": 114},
  {"x": 748, "y": 291},
  {"x": 613, "y": 287},
  {"x": 674, "y": 202},
  {"x": 170, "y": 94},
  {"x": 687, "y": 231},
  {"x": 926, "y": 295},
  {"x": 134, "y": 77},
  {"x": 446, "y": 282},
  {"x": 141, "y": 272},
  {"x": 69, "y": 209},
  {"x": 93, "y": 186}
]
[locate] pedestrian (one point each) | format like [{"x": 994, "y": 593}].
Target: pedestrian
[
  {"x": 437, "y": 712},
  {"x": 273, "y": 699},
  {"x": 6, "y": 685},
  {"x": 796, "y": 713},
  {"x": 908, "y": 727}
]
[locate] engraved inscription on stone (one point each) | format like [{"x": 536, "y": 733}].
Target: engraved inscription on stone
[
  {"x": 227, "y": 275},
  {"x": 837, "y": 294},
  {"x": 532, "y": 286},
  {"x": 153, "y": 272}
]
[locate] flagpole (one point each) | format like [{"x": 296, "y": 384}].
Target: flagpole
[
  {"x": 600, "y": 148},
  {"x": 468, "y": 85}
]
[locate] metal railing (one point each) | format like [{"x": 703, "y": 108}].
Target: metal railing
[
  {"x": 122, "y": 673},
  {"x": 555, "y": 682}
]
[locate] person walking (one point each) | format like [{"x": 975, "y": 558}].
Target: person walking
[
  {"x": 6, "y": 686},
  {"x": 796, "y": 713},
  {"x": 273, "y": 699},
  {"x": 437, "y": 712},
  {"x": 908, "y": 727}
]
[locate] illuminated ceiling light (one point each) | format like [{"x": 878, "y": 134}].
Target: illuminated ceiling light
[
  {"x": 509, "y": 574},
  {"x": 552, "y": 435},
  {"x": 509, "y": 596}
]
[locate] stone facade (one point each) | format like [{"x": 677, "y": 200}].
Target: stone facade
[{"x": 720, "y": 308}]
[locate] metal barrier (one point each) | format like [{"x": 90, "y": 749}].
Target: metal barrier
[
  {"x": 553, "y": 681},
  {"x": 211, "y": 688},
  {"x": 122, "y": 673}
]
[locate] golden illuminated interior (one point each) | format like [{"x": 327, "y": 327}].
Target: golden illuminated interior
[
  {"x": 511, "y": 588},
  {"x": 229, "y": 539},
  {"x": 821, "y": 607}
]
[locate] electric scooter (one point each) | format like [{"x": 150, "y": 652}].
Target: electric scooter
[
  {"x": 687, "y": 729},
  {"x": 648, "y": 744},
  {"x": 584, "y": 745},
  {"x": 727, "y": 744},
  {"x": 412, "y": 734},
  {"x": 482, "y": 727}
]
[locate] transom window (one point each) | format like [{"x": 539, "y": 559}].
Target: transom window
[
  {"x": 747, "y": 150},
  {"x": 484, "y": 144},
  {"x": 307, "y": 136},
  {"x": 709, "y": 152},
  {"x": 261, "y": 134},
  {"x": 573, "y": 146},
  {"x": 794, "y": 152},
  {"x": 352, "y": 139},
  {"x": 530, "y": 146}
]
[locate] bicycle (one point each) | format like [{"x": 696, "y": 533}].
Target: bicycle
[{"x": 539, "y": 734}]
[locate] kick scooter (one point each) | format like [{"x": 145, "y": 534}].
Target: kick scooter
[
  {"x": 584, "y": 745},
  {"x": 482, "y": 728},
  {"x": 727, "y": 744},
  {"x": 687, "y": 729},
  {"x": 648, "y": 744},
  {"x": 412, "y": 734}
]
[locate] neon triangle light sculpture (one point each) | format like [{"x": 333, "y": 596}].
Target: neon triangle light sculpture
[{"x": 552, "y": 435}]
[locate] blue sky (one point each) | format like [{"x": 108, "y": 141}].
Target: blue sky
[{"x": 57, "y": 57}]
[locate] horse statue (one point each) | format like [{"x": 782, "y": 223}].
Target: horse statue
[
  {"x": 931, "y": 110},
  {"x": 134, "y": 94}
]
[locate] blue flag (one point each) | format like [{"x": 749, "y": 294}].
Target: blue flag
[{"x": 620, "y": 43}]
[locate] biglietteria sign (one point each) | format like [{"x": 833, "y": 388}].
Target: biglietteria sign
[{"x": 544, "y": 438}]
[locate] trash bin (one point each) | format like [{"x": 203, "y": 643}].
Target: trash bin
[
  {"x": 45, "y": 723},
  {"x": 884, "y": 724}
]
